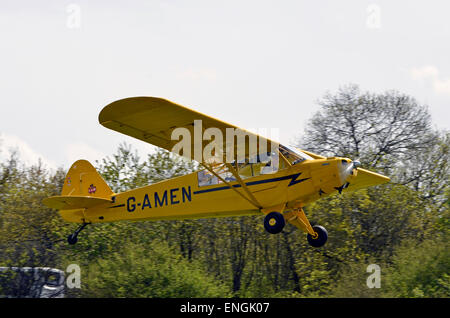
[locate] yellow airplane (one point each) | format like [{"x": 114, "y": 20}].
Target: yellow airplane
[{"x": 273, "y": 180}]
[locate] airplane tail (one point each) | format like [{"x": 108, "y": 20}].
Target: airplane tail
[
  {"x": 83, "y": 188},
  {"x": 84, "y": 180}
]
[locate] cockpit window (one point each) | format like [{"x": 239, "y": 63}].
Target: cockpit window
[
  {"x": 294, "y": 155},
  {"x": 206, "y": 178},
  {"x": 262, "y": 164},
  {"x": 267, "y": 164},
  {"x": 257, "y": 166}
]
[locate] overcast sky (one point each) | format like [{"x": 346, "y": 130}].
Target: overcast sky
[{"x": 256, "y": 64}]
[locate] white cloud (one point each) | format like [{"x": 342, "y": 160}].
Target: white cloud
[
  {"x": 80, "y": 150},
  {"x": 430, "y": 74},
  {"x": 442, "y": 86},
  {"x": 26, "y": 154},
  {"x": 29, "y": 156},
  {"x": 424, "y": 72}
]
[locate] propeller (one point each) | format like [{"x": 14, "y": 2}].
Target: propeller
[{"x": 347, "y": 170}]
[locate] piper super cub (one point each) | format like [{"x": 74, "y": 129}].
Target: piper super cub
[{"x": 242, "y": 174}]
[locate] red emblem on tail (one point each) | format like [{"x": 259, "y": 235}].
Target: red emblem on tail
[{"x": 92, "y": 189}]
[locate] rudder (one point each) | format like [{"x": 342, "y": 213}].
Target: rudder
[{"x": 84, "y": 180}]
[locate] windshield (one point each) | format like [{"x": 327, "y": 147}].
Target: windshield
[{"x": 293, "y": 155}]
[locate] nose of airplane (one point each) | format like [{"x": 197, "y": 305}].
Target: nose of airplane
[{"x": 348, "y": 169}]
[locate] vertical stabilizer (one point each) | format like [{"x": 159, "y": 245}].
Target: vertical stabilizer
[{"x": 84, "y": 180}]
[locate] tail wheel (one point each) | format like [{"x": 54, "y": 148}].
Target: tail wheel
[
  {"x": 72, "y": 239},
  {"x": 274, "y": 222},
  {"x": 320, "y": 239}
]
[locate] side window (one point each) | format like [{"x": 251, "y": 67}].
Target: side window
[
  {"x": 206, "y": 178},
  {"x": 273, "y": 165},
  {"x": 270, "y": 164}
]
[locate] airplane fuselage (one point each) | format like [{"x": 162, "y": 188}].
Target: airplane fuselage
[{"x": 183, "y": 198}]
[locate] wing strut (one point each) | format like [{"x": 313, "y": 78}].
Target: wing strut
[
  {"x": 253, "y": 202},
  {"x": 242, "y": 183}
]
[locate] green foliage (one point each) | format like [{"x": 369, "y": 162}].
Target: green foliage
[
  {"x": 28, "y": 230},
  {"x": 420, "y": 270},
  {"x": 386, "y": 225},
  {"x": 153, "y": 270},
  {"x": 125, "y": 170}
]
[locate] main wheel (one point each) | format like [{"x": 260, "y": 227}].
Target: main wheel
[
  {"x": 72, "y": 239},
  {"x": 320, "y": 239},
  {"x": 274, "y": 222}
]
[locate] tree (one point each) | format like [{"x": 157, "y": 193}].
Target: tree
[
  {"x": 372, "y": 222},
  {"x": 30, "y": 233},
  {"x": 379, "y": 129},
  {"x": 389, "y": 132},
  {"x": 126, "y": 169},
  {"x": 28, "y": 230},
  {"x": 420, "y": 270},
  {"x": 154, "y": 270},
  {"x": 428, "y": 172}
]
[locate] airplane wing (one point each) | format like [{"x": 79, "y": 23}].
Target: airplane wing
[
  {"x": 153, "y": 120},
  {"x": 366, "y": 178}
]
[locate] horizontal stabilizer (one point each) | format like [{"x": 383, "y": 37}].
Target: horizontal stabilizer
[{"x": 65, "y": 202}]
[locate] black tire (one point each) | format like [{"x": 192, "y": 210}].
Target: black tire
[
  {"x": 321, "y": 239},
  {"x": 72, "y": 239},
  {"x": 274, "y": 222}
]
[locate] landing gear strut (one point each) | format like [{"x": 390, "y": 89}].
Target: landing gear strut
[
  {"x": 274, "y": 223},
  {"x": 73, "y": 238}
]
